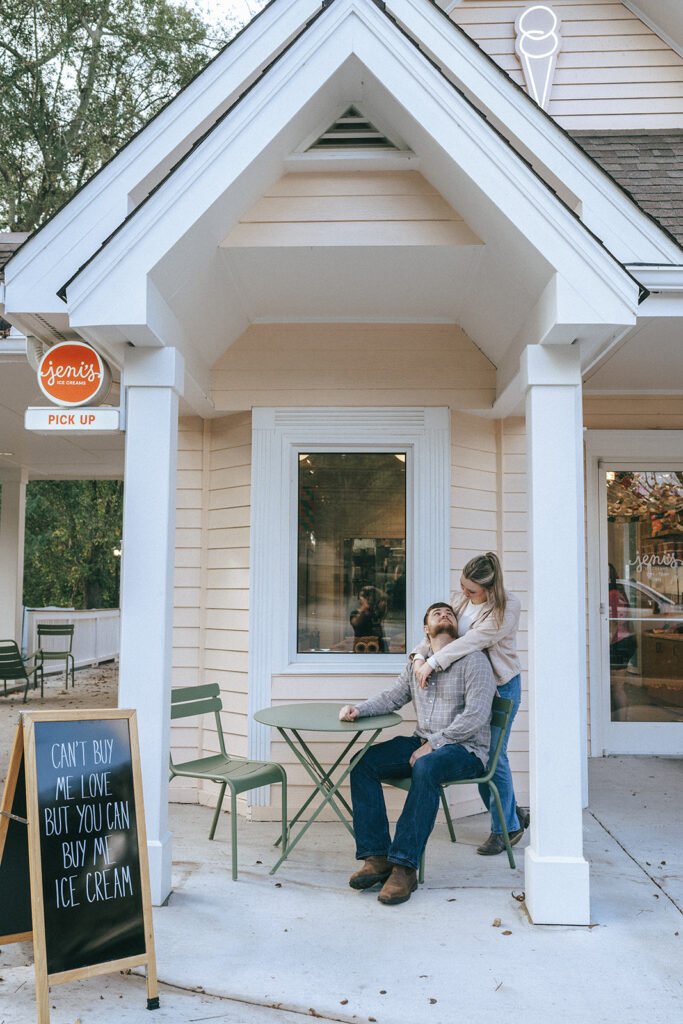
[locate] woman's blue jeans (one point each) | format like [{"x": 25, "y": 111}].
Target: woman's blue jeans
[
  {"x": 391, "y": 760},
  {"x": 503, "y": 776}
]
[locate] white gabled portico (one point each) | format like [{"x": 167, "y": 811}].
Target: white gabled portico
[{"x": 175, "y": 285}]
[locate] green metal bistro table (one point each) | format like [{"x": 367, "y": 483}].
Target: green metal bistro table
[{"x": 291, "y": 720}]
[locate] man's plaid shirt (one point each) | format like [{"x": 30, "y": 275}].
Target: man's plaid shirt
[{"x": 454, "y": 708}]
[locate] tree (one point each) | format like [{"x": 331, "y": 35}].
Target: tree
[
  {"x": 72, "y": 530},
  {"x": 77, "y": 79}
]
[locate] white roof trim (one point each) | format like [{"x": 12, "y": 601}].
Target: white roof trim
[
  {"x": 666, "y": 278},
  {"x": 657, "y": 28},
  {"x": 347, "y": 28}
]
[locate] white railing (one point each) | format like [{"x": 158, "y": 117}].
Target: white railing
[{"x": 96, "y": 633}]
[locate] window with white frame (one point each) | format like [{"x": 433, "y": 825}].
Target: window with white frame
[{"x": 344, "y": 500}]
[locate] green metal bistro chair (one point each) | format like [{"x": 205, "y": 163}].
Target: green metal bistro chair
[
  {"x": 13, "y": 666},
  {"x": 49, "y": 634},
  {"x": 501, "y": 709},
  {"x": 238, "y": 774}
]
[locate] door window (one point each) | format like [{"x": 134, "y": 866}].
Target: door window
[{"x": 645, "y": 576}]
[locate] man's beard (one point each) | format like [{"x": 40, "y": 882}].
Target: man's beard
[{"x": 444, "y": 627}]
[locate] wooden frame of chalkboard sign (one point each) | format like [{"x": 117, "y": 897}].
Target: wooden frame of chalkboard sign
[{"x": 74, "y": 875}]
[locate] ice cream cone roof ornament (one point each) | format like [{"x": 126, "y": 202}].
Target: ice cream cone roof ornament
[{"x": 537, "y": 43}]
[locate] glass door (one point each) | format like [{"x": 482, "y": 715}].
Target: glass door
[{"x": 642, "y": 608}]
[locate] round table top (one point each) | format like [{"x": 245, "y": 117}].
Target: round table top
[{"x": 321, "y": 717}]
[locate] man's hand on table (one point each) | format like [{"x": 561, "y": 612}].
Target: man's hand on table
[
  {"x": 348, "y": 713},
  {"x": 426, "y": 748}
]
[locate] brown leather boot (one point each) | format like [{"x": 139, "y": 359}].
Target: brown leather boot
[
  {"x": 399, "y": 885},
  {"x": 375, "y": 870}
]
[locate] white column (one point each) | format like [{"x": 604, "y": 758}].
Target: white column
[
  {"x": 556, "y": 873},
  {"x": 12, "y": 514},
  {"x": 153, "y": 380}
]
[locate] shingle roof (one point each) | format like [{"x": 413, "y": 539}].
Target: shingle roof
[
  {"x": 648, "y": 164},
  {"x": 9, "y": 242}
]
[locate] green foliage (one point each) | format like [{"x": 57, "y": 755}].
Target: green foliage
[
  {"x": 77, "y": 79},
  {"x": 72, "y": 528}
]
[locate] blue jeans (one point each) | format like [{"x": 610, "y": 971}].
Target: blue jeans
[
  {"x": 391, "y": 760},
  {"x": 503, "y": 776}
]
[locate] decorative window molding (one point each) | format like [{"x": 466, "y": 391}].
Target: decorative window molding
[
  {"x": 538, "y": 41},
  {"x": 278, "y": 436}
]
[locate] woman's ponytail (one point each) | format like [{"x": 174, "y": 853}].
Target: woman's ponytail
[{"x": 485, "y": 570}]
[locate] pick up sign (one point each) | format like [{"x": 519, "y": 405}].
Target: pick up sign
[{"x": 93, "y": 419}]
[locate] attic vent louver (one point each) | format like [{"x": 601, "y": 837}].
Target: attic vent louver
[{"x": 352, "y": 131}]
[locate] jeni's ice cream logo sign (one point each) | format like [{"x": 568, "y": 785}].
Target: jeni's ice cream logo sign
[
  {"x": 72, "y": 373},
  {"x": 537, "y": 45}
]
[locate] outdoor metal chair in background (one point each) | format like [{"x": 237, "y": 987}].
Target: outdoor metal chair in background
[
  {"x": 501, "y": 709},
  {"x": 14, "y": 667},
  {"x": 49, "y": 635},
  {"x": 235, "y": 773}
]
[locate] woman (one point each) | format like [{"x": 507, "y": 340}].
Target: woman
[{"x": 488, "y": 619}]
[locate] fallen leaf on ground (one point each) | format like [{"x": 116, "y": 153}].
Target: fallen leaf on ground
[
  {"x": 343, "y": 1002},
  {"x": 432, "y": 1001},
  {"x": 506, "y": 933},
  {"x": 496, "y": 923}
]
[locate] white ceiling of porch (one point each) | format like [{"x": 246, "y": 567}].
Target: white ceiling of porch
[{"x": 648, "y": 358}]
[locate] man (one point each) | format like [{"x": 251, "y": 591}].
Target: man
[{"x": 451, "y": 741}]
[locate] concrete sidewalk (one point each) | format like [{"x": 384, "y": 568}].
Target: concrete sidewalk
[{"x": 301, "y": 943}]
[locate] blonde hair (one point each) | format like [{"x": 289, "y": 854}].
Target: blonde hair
[{"x": 485, "y": 570}]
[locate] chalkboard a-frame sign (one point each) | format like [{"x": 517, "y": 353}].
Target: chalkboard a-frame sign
[{"x": 73, "y": 851}]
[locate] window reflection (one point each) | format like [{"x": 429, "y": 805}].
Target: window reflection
[
  {"x": 351, "y": 576},
  {"x": 645, "y": 551}
]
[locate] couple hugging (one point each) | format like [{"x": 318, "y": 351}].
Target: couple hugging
[{"x": 469, "y": 654}]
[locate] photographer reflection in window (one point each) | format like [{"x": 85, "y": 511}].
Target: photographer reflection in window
[{"x": 367, "y": 622}]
